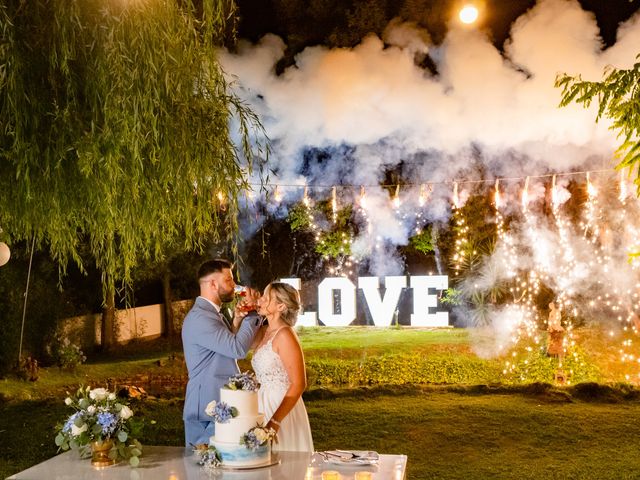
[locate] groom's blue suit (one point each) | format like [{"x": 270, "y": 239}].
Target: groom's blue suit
[{"x": 210, "y": 351}]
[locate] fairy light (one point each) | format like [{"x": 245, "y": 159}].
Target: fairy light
[
  {"x": 334, "y": 204},
  {"x": 456, "y": 197},
  {"x": 623, "y": 188},
  {"x": 422, "y": 199},
  {"x": 277, "y": 194},
  {"x": 305, "y": 197}
]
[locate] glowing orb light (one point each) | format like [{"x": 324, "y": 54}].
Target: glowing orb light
[
  {"x": 5, "y": 253},
  {"x": 468, "y": 14}
]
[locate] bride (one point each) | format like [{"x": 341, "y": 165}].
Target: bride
[{"x": 279, "y": 366}]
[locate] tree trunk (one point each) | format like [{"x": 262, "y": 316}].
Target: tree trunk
[
  {"x": 108, "y": 329},
  {"x": 169, "y": 328}
]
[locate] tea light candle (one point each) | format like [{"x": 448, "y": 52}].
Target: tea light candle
[
  {"x": 363, "y": 476},
  {"x": 330, "y": 475}
]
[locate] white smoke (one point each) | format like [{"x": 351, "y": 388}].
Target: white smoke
[{"x": 485, "y": 114}]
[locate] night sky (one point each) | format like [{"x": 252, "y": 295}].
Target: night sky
[{"x": 258, "y": 17}]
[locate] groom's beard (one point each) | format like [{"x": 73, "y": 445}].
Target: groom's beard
[{"x": 226, "y": 296}]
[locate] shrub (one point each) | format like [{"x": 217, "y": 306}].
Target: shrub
[
  {"x": 401, "y": 369},
  {"x": 67, "y": 355}
]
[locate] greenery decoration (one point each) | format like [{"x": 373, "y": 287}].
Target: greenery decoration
[
  {"x": 118, "y": 129},
  {"x": 423, "y": 241},
  {"x": 618, "y": 98}
]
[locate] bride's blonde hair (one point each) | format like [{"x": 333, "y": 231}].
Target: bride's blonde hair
[{"x": 289, "y": 296}]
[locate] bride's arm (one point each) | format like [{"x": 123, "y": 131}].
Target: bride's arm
[{"x": 287, "y": 346}]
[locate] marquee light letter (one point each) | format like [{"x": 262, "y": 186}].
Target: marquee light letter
[
  {"x": 326, "y": 306},
  {"x": 422, "y": 301},
  {"x": 382, "y": 309},
  {"x": 306, "y": 319}
]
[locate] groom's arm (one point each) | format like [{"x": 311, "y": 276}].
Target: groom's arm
[{"x": 215, "y": 336}]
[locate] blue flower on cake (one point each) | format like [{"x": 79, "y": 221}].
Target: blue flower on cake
[
  {"x": 220, "y": 411},
  {"x": 243, "y": 381},
  {"x": 258, "y": 436}
]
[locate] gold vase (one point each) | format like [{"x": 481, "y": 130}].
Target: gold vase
[{"x": 100, "y": 454}]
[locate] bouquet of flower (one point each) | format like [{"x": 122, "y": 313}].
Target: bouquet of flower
[
  {"x": 257, "y": 437},
  {"x": 243, "y": 381},
  {"x": 208, "y": 457},
  {"x": 220, "y": 411},
  {"x": 99, "y": 417}
]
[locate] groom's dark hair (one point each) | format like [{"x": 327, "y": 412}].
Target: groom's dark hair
[{"x": 212, "y": 266}]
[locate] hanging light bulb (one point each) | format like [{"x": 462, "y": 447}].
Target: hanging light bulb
[
  {"x": 623, "y": 188},
  {"x": 277, "y": 194},
  {"x": 591, "y": 190},
  {"x": 422, "y": 199},
  {"x": 334, "y": 204},
  {"x": 554, "y": 193},
  {"x": 525, "y": 194},
  {"x": 456, "y": 198},
  {"x": 396, "y": 198},
  {"x": 305, "y": 197},
  {"x": 363, "y": 198},
  {"x": 496, "y": 197}
]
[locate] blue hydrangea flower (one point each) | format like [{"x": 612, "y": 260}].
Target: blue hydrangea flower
[
  {"x": 223, "y": 412},
  {"x": 243, "y": 381},
  {"x": 70, "y": 421},
  {"x": 250, "y": 440},
  {"x": 108, "y": 422}
]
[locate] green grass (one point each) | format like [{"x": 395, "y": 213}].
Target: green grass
[
  {"x": 453, "y": 431},
  {"x": 445, "y": 434}
]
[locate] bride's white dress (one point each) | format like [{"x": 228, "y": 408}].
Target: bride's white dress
[{"x": 295, "y": 432}]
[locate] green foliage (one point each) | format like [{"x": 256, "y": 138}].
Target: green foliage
[
  {"x": 401, "y": 369},
  {"x": 67, "y": 355},
  {"x": 116, "y": 129},
  {"x": 299, "y": 217},
  {"x": 334, "y": 244},
  {"x": 451, "y": 296},
  {"x": 423, "y": 241},
  {"x": 618, "y": 98}
]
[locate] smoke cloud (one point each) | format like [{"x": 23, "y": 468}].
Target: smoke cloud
[{"x": 485, "y": 114}]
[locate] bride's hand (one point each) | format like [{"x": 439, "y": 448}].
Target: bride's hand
[{"x": 275, "y": 426}]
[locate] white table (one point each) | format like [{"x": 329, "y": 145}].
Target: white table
[{"x": 179, "y": 463}]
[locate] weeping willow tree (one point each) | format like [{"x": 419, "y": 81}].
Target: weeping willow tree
[
  {"x": 618, "y": 98},
  {"x": 118, "y": 130}
]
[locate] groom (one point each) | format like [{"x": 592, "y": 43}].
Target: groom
[{"x": 210, "y": 347}]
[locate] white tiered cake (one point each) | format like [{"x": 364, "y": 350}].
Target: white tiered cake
[{"x": 237, "y": 440}]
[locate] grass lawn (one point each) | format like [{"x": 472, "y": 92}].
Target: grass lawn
[
  {"x": 445, "y": 434},
  {"x": 453, "y": 431}
]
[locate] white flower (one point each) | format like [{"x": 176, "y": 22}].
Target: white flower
[
  {"x": 261, "y": 435},
  {"x": 126, "y": 412},
  {"x": 75, "y": 431},
  {"x": 112, "y": 396},
  {"x": 98, "y": 394},
  {"x": 211, "y": 407},
  {"x": 68, "y": 401},
  {"x": 91, "y": 409}
]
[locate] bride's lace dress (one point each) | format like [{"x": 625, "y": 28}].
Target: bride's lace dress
[{"x": 295, "y": 431}]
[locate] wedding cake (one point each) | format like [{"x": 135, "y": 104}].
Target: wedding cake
[{"x": 240, "y": 438}]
